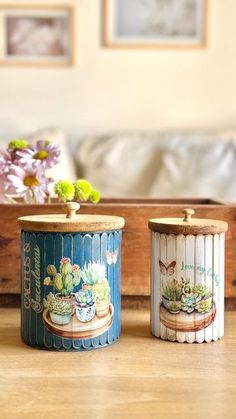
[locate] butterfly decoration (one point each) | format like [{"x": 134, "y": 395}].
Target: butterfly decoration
[
  {"x": 112, "y": 257},
  {"x": 167, "y": 270}
]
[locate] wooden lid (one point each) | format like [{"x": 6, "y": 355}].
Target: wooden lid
[
  {"x": 187, "y": 225},
  {"x": 70, "y": 222}
]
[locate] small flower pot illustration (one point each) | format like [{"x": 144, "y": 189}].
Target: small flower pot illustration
[
  {"x": 60, "y": 319},
  {"x": 69, "y": 299},
  {"x": 85, "y": 314},
  {"x": 174, "y": 306},
  {"x": 102, "y": 307},
  {"x": 85, "y": 305}
]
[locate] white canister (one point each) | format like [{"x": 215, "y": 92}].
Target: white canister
[{"x": 187, "y": 278}]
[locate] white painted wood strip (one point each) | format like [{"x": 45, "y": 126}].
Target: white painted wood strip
[
  {"x": 158, "y": 297},
  {"x": 156, "y": 280},
  {"x": 152, "y": 283},
  {"x": 214, "y": 273},
  {"x": 189, "y": 272},
  {"x": 199, "y": 273},
  {"x": 208, "y": 280},
  {"x": 163, "y": 258},
  {"x": 171, "y": 257},
  {"x": 221, "y": 285},
  {"x": 180, "y": 260}
]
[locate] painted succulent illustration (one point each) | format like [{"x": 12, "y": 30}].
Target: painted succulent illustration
[
  {"x": 57, "y": 306},
  {"x": 66, "y": 279},
  {"x": 93, "y": 272},
  {"x": 172, "y": 290},
  {"x": 85, "y": 298},
  {"x": 204, "y": 306},
  {"x": 189, "y": 302},
  {"x": 102, "y": 290},
  {"x": 201, "y": 290}
]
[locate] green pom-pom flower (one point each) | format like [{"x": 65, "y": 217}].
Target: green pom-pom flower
[
  {"x": 17, "y": 144},
  {"x": 83, "y": 189},
  {"x": 65, "y": 190},
  {"x": 95, "y": 196}
]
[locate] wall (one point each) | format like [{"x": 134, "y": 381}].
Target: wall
[{"x": 126, "y": 89}]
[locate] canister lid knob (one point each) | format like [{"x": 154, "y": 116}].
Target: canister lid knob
[
  {"x": 70, "y": 208},
  {"x": 188, "y": 212}
]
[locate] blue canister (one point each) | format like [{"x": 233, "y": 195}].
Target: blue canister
[{"x": 70, "y": 280}]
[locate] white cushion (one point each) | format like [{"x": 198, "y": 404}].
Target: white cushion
[
  {"x": 161, "y": 164},
  {"x": 198, "y": 171}
]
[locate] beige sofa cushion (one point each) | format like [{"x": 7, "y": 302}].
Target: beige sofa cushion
[{"x": 161, "y": 165}]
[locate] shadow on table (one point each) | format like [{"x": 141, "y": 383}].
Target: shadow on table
[{"x": 137, "y": 330}]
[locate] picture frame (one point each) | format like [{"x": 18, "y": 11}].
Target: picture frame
[
  {"x": 155, "y": 24},
  {"x": 37, "y": 35}
]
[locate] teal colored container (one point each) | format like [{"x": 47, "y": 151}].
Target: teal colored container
[{"x": 70, "y": 288}]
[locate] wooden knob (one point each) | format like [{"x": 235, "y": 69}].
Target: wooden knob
[
  {"x": 70, "y": 208},
  {"x": 188, "y": 212}
]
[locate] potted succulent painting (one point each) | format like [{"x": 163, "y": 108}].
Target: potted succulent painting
[
  {"x": 65, "y": 280},
  {"x": 60, "y": 311},
  {"x": 94, "y": 277},
  {"x": 102, "y": 291},
  {"x": 171, "y": 295},
  {"x": 85, "y": 305}
]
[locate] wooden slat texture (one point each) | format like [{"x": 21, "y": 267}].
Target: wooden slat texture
[{"x": 136, "y": 238}]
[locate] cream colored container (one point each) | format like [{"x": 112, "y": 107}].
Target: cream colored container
[{"x": 187, "y": 278}]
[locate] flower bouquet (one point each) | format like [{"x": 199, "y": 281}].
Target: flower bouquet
[{"x": 23, "y": 174}]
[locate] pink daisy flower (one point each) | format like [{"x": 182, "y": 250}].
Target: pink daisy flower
[
  {"x": 28, "y": 182},
  {"x": 45, "y": 153},
  {"x": 6, "y": 160}
]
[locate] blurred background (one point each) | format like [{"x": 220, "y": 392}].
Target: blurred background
[{"x": 149, "y": 111}]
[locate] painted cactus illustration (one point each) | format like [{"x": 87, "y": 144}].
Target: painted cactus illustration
[{"x": 66, "y": 279}]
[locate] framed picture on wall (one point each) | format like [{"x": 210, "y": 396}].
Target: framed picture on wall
[
  {"x": 36, "y": 35},
  {"x": 154, "y": 23}
]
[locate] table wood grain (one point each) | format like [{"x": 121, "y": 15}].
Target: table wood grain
[{"x": 139, "y": 377}]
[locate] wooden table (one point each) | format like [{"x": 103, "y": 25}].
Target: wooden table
[{"x": 140, "y": 377}]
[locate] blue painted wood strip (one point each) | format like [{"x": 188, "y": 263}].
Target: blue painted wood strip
[
  {"x": 40, "y": 324},
  {"x": 96, "y": 257},
  {"x": 67, "y": 252},
  {"x": 48, "y": 246},
  {"x": 78, "y": 259},
  {"x": 110, "y": 332},
  {"x": 117, "y": 298},
  {"x": 87, "y": 343},
  {"x": 33, "y": 256},
  {"x": 57, "y": 256},
  {"x": 26, "y": 288},
  {"x": 22, "y": 275},
  {"x": 104, "y": 248}
]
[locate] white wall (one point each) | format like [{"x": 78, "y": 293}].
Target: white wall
[{"x": 126, "y": 89}]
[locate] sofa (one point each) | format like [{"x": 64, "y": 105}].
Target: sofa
[{"x": 165, "y": 165}]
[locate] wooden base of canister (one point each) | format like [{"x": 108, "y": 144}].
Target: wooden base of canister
[{"x": 187, "y": 322}]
